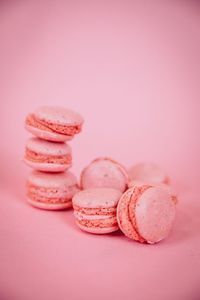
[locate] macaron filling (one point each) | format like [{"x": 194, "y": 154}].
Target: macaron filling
[
  {"x": 99, "y": 223},
  {"x": 70, "y": 130},
  {"x": 96, "y": 211},
  {"x": 50, "y": 195},
  {"x": 42, "y": 158}
]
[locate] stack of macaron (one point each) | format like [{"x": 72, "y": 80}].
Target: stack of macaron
[
  {"x": 140, "y": 201},
  {"x": 51, "y": 185}
]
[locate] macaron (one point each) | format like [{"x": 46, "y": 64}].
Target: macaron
[
  {"x": 148, "y": 172},
  {"x": 137, "y": 183},
  {"x": 95, "y": 210},
  {"x": 51, "y": 191},
  {"x": 146, "y": 214},
  {"x": 54, "y": 123},
  {"x": 47, "y": 156},
  {"x": 104, "y": 172}
]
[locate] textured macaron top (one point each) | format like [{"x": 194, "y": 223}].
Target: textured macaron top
[
  {"x": 154, "y": 213},
  {"x": 48, "y": 148},
  {"x": 49, "y": 180},
  {"x": 97, "y": 197},
  {"x": 148, "y": 172},
  {"x": 146, "y": 213},
  {"x": 104, "y": 172},
  {"x": 58, "y": 115}
]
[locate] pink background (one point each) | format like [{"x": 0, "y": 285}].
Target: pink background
[{"x": 132, "y": 70}]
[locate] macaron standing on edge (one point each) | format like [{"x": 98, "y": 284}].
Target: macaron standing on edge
[
  {"x": 95, "y": 210},
  {"x": 104, "y": 172},
  {"x": 48, "y": 156},
  {"x": 51, "y": 191},
  {"x": 54, "y": 123},
  {"x": 146, "y": 214},
  {"x": 148, "y": 172}
]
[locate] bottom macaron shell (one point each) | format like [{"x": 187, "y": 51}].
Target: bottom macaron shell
[
  {"x": 48, "y": 135},
  {"x": 49, "y": 206},
  {"x": 47, "y": 167},
  {"x": 96, "y": 230}
]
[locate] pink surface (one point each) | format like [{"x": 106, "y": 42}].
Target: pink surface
[{"x": 132, "y": 71}]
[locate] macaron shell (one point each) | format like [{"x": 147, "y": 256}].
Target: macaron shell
[
  {"x": 48, "y": 206},
  {"x": 47, "y": 167},
  {"x": 167, "y": 187},
  {"x": 104, "y": 172},
  {"x": 58, "y": 115},
  {"x": 98, "y": 230},
  {"x": 47, "y": 147},
  {"x": 62, "y": 181},
  {"x": 123, "y": 215},
  {"x": 97, "y": 198},
  {"x": 155, "y": 214},
  {"x": 48, "y": 135},
  {"x": 148, "y": 172}
]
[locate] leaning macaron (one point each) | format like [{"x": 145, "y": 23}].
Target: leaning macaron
[
  {"x": 54, "y": 123},
  {"x": 148, "y": 172},
  {"x": 146, "y": 214},
  {"x": 167, "y": 187},
  {"x": 51, "y": 191},
  {"x": 47, "y": 156},
  {"x": 104, "y": 172},
  {"x": 95, "y": 210}
]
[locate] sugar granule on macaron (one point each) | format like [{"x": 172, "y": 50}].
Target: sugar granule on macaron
[{"x": 95, "y": 210}]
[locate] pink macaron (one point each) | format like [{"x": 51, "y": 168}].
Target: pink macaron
[
  {"x": 137, "y": 183},
  {"x": 146, "y": 214},
  {"x": 95, "y": 210},
  {"x": 51, "y": 191},
  {"x": 54, "y": 123},
  {"x": 47, "y": 156},
  {"x": 104, "y": 172},
  {"x": 148, "y": 172}
]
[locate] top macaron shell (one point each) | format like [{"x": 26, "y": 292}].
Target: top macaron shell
[
  {"x": 55, "y": 116},
  {"x": 58, "y": 115},
  {"x": 97, "y": 198},
  {"x": 48, "y": 150},
  {"x": 148, "y": 172},
  {"x": 104, "y": 172}
]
